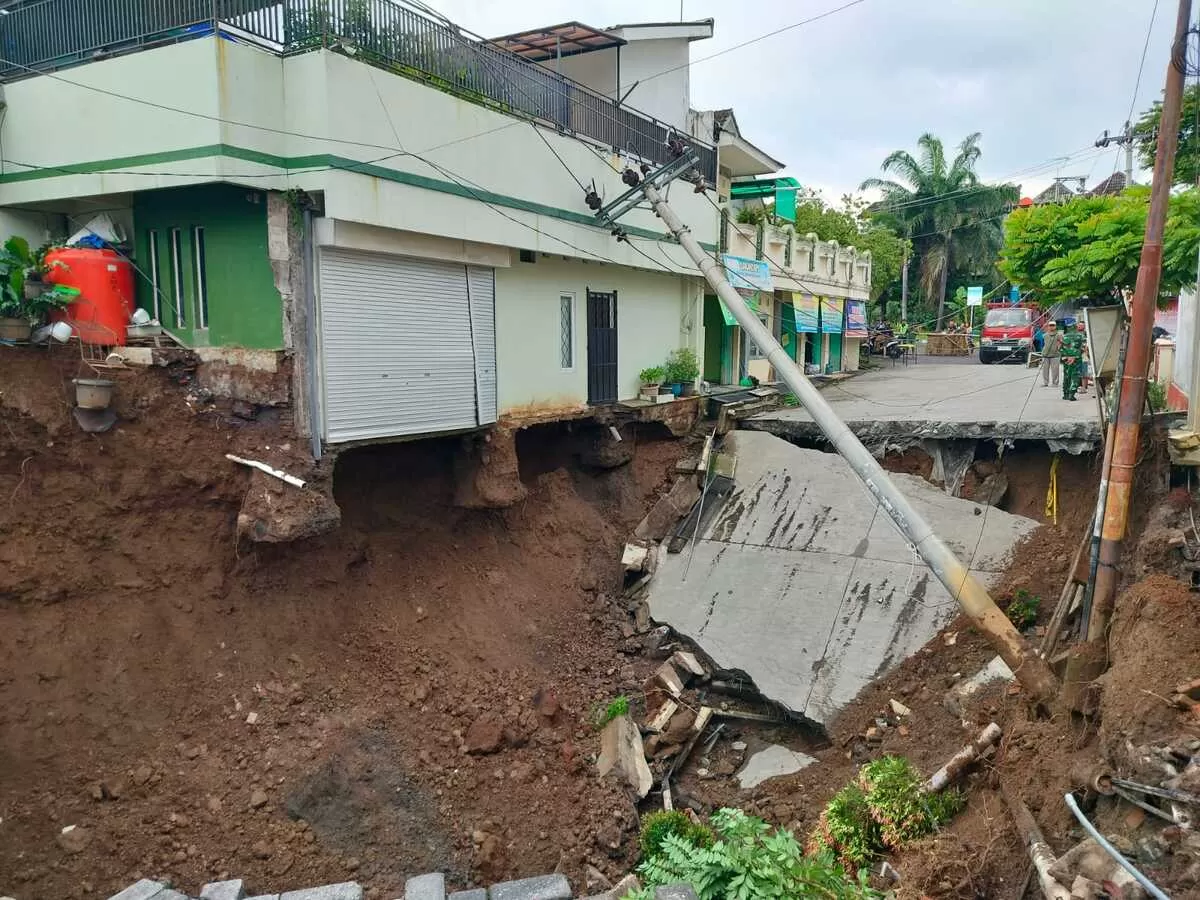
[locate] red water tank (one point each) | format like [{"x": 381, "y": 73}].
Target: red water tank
[{"x": 105, "y": 282}]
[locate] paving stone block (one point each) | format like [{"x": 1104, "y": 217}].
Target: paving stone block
[
  {"x": 264, "y": 897},
  {"x": 476, "y": 894},
  {"x": 346, "y": 890},
  {"x": 545, "y": 887},
  {"x": 675, "y": 892},
  {"x": 426, "y": 887},
  {"x": 143, "y": 890},
  {"x": 170, "y": 895},
  {"x": 223, "y": 890}
]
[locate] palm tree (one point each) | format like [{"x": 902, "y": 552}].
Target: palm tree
[{"x": 952, "y": 219}]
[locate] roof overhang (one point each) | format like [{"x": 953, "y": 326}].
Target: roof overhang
[
  {"x": 555, "y": 41},
  {"x": 743, "y": 159},
  {"x": 699, "y": 30}
]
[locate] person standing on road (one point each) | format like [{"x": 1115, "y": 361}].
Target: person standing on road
[
  {"x": 1085, "y": 367},
  {"x": 1072, "y": 358},
  {"x": 1051, "y": 351}
]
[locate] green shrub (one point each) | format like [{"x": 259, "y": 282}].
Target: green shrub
[
  {"x": 749, "y": 860},
  {"x": 657, "y": 825},
  {"x": 1023, "y": 610},
  {"x": 651, "y": 375},
  {"x": 681, "y": 366},
  {"x": 883, "y": 810}
]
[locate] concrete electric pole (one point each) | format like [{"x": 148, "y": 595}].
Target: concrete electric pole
[{"x": 1031, "y": 670}]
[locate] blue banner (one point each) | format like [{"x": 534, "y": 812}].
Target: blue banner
[
  {"x": 856, "y": 318},
  {"x": 748, "y": 274},
  {"x": 831, "y": 315}
]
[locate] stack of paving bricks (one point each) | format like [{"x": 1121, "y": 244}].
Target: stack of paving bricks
[{"x": 423, "y": 887}]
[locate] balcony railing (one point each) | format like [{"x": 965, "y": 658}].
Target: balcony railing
[{"x": 46, "y": 35}]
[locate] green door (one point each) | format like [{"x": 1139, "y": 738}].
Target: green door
[{"x": 835, "y": 353}]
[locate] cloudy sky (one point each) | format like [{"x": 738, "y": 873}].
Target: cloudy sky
[{"x": 1040, "y": 78}]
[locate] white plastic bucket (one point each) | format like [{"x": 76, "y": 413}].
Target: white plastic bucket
[{"x": 61, "y": 332}]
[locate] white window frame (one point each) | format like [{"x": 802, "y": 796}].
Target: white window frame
[
  {"x": 753, "y": 351},
  {"x": 176, "y": 241},
  {"x": 200, "y": 275},
  {"x": 155, "y": 278},
  {"x": 567, "y": 300}
]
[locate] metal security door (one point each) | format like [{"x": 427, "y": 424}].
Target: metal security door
[
  {"x": 406, "y": 348},
  {"x": 602, "y": 346}
]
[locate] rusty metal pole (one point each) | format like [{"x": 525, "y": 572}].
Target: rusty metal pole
[{"x": 1137, "y": 364}]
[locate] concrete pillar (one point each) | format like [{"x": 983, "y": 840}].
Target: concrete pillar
[
  {"x": 285, "y": 250},
  {"x": 486, "y": 474}
]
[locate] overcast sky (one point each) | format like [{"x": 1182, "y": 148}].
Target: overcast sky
[{"x": 1040, "y": 78}]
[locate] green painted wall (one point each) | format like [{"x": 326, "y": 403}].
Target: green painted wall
[
  {"x": 714, "y": 331},
  {"x": 244, "y": 307}
]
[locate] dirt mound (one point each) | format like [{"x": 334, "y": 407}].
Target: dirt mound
[{"x": 295, "y": 713}]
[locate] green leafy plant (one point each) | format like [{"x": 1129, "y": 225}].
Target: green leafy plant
[
  {"x": 657, "y": 825},
  {"x": 1156, "y": 393},
  {"x": 883, "y": 810},
  {"x": 616, "y": 708},
  {"x": 748, "y": 860},
  {"x": 791, "y": 400},
  {"x": 1023, "y": 610},
  {"x": 652, "y": 375},
  {"x": 681, "y": 366}
]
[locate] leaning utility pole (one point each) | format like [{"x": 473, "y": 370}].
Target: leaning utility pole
[
  {"x": 1032, "y": 671},
  {"x": 1125, "y": 138},
  {"x": 1137, "y": 362}
]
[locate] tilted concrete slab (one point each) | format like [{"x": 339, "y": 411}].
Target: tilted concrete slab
[
  {"x": 930, "y": 401},
  {"x": 801, "y": 581}
]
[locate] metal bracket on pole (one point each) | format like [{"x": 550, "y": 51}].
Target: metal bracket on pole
[{"x": 635, "y": 196}]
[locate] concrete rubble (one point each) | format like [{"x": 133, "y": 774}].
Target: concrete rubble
[
  {"x": 772, "y": 762},
  {"x": 799, "y": 579}
]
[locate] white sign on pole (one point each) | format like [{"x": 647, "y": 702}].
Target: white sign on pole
[{"x": 975, "y": 296}]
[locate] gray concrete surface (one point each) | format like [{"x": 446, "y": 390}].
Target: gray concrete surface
[
  {"x": 772, "y": 762},
  {"x": 931, "y": 400},
  {"x": 803, "y": 583}
]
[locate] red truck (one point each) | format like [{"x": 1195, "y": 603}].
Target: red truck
[{"x": 1007, "y": 332}]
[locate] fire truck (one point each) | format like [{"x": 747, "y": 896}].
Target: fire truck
[{"x": 1007, "y": 332}]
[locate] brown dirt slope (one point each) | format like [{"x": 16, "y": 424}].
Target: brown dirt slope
[{"x": 294, "y": 714}]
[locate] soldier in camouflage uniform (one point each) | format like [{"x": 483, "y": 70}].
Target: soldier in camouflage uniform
[{"x": 1072, "y": 357}]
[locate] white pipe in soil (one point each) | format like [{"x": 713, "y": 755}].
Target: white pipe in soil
[
  {"x": 1033, "y": 672},
  {"x": 1151, "y": 888},
  {"x": 263, "y": 467}
]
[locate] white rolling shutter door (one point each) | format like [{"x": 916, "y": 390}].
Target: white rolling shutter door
[
  {"x": 481, "y": 284},
  {"x": 396, "y": 344}
]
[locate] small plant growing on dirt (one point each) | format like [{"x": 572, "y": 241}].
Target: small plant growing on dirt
[
  {"x": 1023, "y": 610},
  {"x": 791, "y": 400},
  {"x": 882, "y": 810},
  {"x": 748, "y": 860},
  {"x": 1156, "y": 394},
  {"x": 617, "y": 707},
  {"x": 657, "y": 825}
]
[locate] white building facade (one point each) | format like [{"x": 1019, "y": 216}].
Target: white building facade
[{"x": 395, "y": 208}]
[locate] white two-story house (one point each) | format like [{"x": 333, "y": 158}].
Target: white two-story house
[{"x": 363, "y": 198}]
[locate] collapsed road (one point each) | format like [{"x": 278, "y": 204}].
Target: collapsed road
[
  {"x": 947, "y": 401},
  {"x": 797, "y": 577}
]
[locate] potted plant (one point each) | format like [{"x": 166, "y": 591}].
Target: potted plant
[
  {"x": 682, "y": 370},
  {"x": 24, "y": 301},
  {"x": 36, "y": 269},
  {"x": 651, "y": 379}
]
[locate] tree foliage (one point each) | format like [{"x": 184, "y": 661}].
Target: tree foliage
[
  {"x": 952, "y": 219},
  {"x": 1090, "y": 247},
  {"x": 1187, "y": 157}
]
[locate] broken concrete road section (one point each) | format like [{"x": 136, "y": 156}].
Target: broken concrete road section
[{"x": 801, "y": 581}]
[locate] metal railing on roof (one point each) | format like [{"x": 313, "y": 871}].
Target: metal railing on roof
[{"x": 47, "y": 35}]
